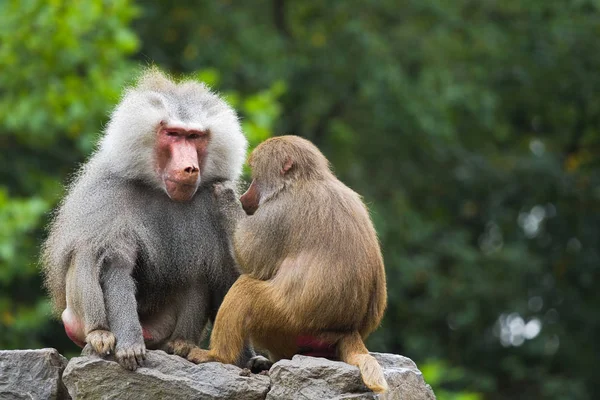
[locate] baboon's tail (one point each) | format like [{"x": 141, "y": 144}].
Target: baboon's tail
[{"x": 352, "y": 350}]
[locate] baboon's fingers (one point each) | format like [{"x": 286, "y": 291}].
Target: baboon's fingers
[
  {"x": 101, "y": 341},
  {"x": 140, "y": 357},
  {"x": 131, "y": 357},
  {"x": 222, "y": 189}
]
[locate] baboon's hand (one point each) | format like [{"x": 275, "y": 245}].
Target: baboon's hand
[
  {"x": 131, "y": 355},
  {"x": 224, "y": 191},
  {"x": 102, "y": 342}
]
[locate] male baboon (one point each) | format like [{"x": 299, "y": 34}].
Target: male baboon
[{"x": 138, "y": 255}]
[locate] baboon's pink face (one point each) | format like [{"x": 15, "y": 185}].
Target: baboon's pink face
[{"x": 180, "y": 157}]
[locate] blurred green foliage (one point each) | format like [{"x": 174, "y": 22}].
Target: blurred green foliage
[
  {"x": 471, "y": 128},
  {"x": 62, "y": 66}
]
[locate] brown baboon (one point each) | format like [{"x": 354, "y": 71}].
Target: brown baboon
[
  {"x": 138, "y": 255},
  {"x": 313, "y": 276}
]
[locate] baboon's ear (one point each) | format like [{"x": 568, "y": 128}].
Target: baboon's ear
[{"x": 287, "y": 165}]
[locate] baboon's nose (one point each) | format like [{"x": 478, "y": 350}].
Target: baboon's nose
[{"x": 191, "y": 170}]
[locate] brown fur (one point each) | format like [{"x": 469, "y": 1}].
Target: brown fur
[{"x": 311, "y": 261}]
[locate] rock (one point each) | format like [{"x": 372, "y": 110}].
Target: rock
[
  {"x": 404, "y": 378},
  {"x": 32, "y": 374},
  {"x": 318, "y": 378},
  {"x": 163, "y": 377},
  {"x": 36, "y": 374}
]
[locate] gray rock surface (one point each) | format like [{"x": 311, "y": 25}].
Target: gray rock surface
[
  {"x": 404, "y": 378},
  {"x": 31, "y": 374},
  {"x": 36, "y": 374},
  {"x": 311, "y": 378},
  {"x": 163, "y": 377}
]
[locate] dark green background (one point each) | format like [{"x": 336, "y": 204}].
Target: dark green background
[{"x": 471, "y": 128}]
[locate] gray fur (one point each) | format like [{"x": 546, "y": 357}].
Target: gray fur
[{"x": 118, "y": 244}]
